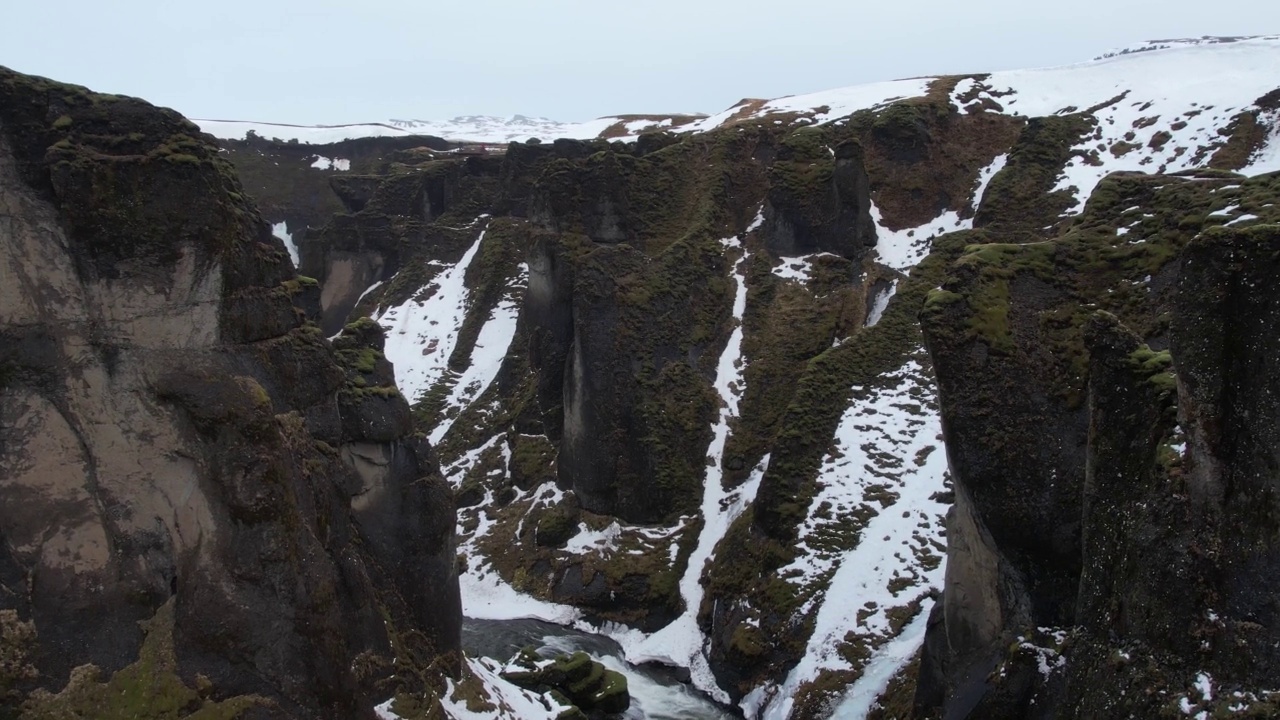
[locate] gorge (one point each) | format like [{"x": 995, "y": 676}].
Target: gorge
[{"x": 948, "y": 397}]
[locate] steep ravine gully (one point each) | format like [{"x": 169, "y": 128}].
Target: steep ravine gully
[{"x": 953, "y": 397}]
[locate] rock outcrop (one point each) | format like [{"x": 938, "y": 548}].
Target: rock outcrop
[
  {"x": 181, "y": 450},
  {"x": 1110, "y": 414},
  {"x": 596, "y": 691}
]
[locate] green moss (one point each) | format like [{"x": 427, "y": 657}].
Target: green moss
[
  {"x": 1021, "y": 198},
  {"x": 784, "y": 327},
  {"x": 531, "y": 460},
  {"x": 17, "y": 643},
  {"x": 747, "y": 640},
  {"x": 365, "y": 360},
  {"x": 261, "y": 400},
  {"x": 587, "y": 683},
  {"x": 989, "y": 319},
  {"x": 1157, "y": 368},
  {"x": 149, "y": 688},
  {"x": 1150, "y": 362},
  {"x": 1245, "y": 136},
  {"x": 1090, "y": 266},
  {"x": 1122, "y": 148},
  {"x": 939, "y": 298},
  {"x": 675, "y": 417},
  {"x": 472, "y": 692},
  {"x": 182, "y": 158},
  {"x": 555, "y": 526},
  {"x": 817, "y": 698},
  {"x": 384, "y": 391},
  {"x": 613, "y": 691}
]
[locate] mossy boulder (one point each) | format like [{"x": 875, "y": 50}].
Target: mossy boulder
[
  {"x": 556, "y": 525},
  {"x": 587, "y": 684}
]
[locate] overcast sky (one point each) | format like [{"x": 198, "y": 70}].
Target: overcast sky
[{"x": 326, "y": 61}]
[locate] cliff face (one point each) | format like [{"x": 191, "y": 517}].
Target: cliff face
[
  {"x": 180, "y": 446},
  {"x": 1110, "y": 423}
]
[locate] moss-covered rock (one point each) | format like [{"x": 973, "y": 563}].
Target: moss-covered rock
[
  {"x": 585, "y": 683},
  {"x": 1120, "y": 510},
  {"x": 148, "y": 688}
]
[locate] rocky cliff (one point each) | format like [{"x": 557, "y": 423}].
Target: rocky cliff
[
  {"x": 208, "y": 510},
  {"x": 1110, "y": 427}
]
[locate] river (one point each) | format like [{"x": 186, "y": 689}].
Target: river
[{"x": 655, "y": 693}]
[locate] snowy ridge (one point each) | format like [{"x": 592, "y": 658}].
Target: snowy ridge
[
  {"x": 873, "y": 540},
  {"x": 1158, "y": 110},
  {"x": 823, "y": 106},
  {"x": 1181, "y": 42},
  {"x": 1159, "y": 107},
  {"x": 310, "y": 134},
  {"x": 468, "y": 128},
  {"x": 518, "y": 128}
]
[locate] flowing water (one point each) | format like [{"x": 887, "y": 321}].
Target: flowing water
[{"x": 656, "y": 694}]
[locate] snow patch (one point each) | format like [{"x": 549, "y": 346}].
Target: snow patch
[
  {"x": 421, "y": 334},
  {"x": 887, "y": 471},
  {"x": 588, "y": 540},
  {"x": 798, "y": 269},
  {"x": 880, "y": 303},
  {"x": 888, "y": 660},
  {"x": 1267, "y": 159},
  {"x": 324, "y": 163},
  {"x": 485, "y": 596},
  {"x": 486, "y": 356},
  {"x": 903, "y": 249},
  {"x": 281, "y": 231}
]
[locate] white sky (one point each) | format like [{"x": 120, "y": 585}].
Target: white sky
[{"x": 329, "y": 61}]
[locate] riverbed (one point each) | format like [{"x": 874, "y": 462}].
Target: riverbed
[{"x": 656, "y": 693}]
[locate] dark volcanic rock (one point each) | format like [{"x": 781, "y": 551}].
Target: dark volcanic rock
[
  {"x": 819, "y": 201},
  {"x": 391, "y": 227},
  {"x": 285, "y": 183},
  {"x": 170, "y": 444},
  {"x": 1116, "y": 527}
]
